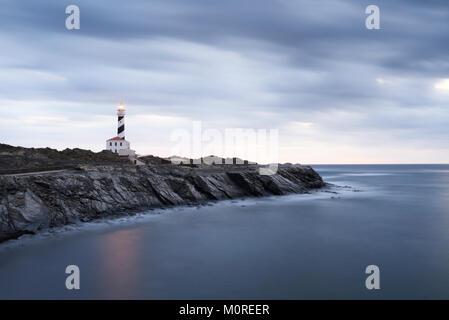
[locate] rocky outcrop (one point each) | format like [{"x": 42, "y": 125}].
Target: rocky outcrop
[
  {"x": 35, "y": 201},
  {"x": 20, "y": 159}
]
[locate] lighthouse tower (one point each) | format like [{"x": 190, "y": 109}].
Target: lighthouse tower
[
  {"x": 118, "y": 144},
  {"x": 121, "y": 111}
]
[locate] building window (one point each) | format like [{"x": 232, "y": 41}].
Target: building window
[
  {"x": 120, "y": 144},
  {"x": 110, "y": 143},
  {"x": 116, "y": 144}
]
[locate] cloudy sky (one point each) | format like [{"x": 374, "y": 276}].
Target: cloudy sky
[{"x": 335, "y": 91}]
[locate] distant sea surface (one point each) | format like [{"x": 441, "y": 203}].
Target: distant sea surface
[{"x": 313, "y": 246}]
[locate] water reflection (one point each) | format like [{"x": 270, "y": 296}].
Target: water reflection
[{"x": 120, "y": 263}]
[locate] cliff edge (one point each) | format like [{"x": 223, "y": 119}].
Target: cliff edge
[{"x": 34, "y": 201}]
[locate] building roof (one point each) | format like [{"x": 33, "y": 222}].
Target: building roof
[{"x": 116, "y": 138}]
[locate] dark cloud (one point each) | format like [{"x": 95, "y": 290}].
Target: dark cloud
[{"x": 255, "y": 63}]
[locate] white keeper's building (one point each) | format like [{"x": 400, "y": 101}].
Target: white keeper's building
[{"x": 118, "y": 145}]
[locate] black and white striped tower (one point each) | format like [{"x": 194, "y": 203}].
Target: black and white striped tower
[{"x": 121, "y": 121}]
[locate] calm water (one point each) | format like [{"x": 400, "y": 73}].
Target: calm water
[{"x": 291, "y": 247}]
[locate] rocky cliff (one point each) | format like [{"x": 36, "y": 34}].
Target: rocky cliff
[{"x": 29, "y": 202}]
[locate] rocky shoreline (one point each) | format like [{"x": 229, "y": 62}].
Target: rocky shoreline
[{"x": 31, "y": 202}]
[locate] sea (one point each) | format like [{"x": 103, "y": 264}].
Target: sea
[{"x": 305, "y": 246}]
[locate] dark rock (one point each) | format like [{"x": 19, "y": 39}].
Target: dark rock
[
  {"x": 19, "y": 159},
  {"x": 35, "y": 201},
  {"x": 12, "y": 235}
]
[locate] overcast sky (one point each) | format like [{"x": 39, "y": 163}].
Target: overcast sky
[{"x": 337, "y": 92}]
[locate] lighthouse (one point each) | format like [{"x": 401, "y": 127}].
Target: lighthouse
[{"x": 118, "y": 144}]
